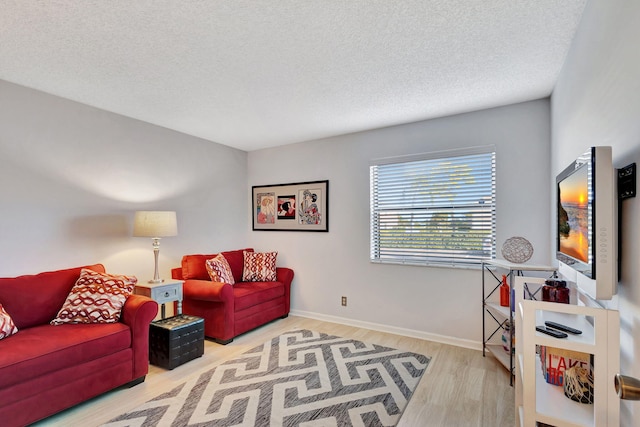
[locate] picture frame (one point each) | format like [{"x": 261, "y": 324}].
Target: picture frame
[{"x": 298, "y": 206}]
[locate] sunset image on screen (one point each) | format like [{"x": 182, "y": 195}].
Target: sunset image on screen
[{"x": 573, "y": 215}]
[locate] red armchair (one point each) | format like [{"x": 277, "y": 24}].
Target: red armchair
[{"x": 230, "y": 310}]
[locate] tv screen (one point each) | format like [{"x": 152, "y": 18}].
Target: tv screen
[
  {"x": 586, "y": 227},
  {"x": 574, "y": 211}
]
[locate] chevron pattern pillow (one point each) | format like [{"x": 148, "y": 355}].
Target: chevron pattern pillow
[{"x": 96, "y": 298}]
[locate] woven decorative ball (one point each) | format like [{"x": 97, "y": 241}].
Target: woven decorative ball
[
  {"x": 578, "y": 384},
  {"x": 517, "y": 250}
]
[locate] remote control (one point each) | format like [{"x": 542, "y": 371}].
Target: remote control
[
  {"x": 553, "y": 333},
  {"x": 563, "y": 328}
]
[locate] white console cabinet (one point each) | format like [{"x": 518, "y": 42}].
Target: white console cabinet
[{"x": 539, "y": 402}]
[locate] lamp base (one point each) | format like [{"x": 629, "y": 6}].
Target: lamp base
[{"x": 156, "y": 251}]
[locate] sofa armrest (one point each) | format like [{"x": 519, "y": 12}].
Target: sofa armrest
[
  {"x": 206, "y": 290},
  {"x": 138, "y": 313},
  {"x": 284, "y": 275}
]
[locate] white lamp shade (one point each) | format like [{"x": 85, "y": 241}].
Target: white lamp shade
[{"x": 155, "y": 224}]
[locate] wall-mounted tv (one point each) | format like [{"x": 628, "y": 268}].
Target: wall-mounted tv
[{"x": 586, "y": 232}]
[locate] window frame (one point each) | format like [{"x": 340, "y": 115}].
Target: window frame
[{"x": 458, "y": 258}]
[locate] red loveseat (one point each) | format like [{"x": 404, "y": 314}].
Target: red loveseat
[
  {"x": 230, "y": 310},
  {"x": 44, "y": 368}
]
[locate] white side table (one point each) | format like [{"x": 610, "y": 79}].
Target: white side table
[{"x": 162, "y": 293}]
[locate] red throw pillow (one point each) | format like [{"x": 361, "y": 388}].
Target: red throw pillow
[
  {"x": 7, "y": 327},
  {"x": 219, "y": 270},
  {"x": 259, "y": 267},
  {"x": 194, "y": 266},
  {"x": 96, "y": 298}
]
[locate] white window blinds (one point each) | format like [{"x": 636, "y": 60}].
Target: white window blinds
[{"x": 434, "y": 209}]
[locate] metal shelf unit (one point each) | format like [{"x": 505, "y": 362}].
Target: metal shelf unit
[{"x": 499, "y": 316}]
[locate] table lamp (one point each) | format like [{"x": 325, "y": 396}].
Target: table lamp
[{"x": 155, "y": 224}]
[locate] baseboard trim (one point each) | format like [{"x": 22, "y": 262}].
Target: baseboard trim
[{"x": 458, "y": 342}]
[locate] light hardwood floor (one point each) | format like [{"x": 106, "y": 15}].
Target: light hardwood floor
[{"x": 460, "y": 387}]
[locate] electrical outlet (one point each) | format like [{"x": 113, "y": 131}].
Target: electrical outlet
[{"x": 344, "y": 301}]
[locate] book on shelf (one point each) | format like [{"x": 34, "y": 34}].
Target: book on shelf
[{"x": 555, "y": 361}]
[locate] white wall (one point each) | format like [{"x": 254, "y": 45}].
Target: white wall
[
  {"x": 71, "y": 177},
  {"x": 597, "y": 102},
  {"x": 436, "y": 303}
]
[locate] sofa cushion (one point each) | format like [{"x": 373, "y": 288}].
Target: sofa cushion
[
  {"x": 194, "y": 266},
  {"x": 96, "y": 298},
  {"x": 39, "y": 397},
  {"x": 219, "y": 270},
  {"x": 7, "y": 327},
  {"x": 259, "y": 267},
  {"x": 42, "y": 349},
  {"x": 248, "y": 294},
  {"x": 47, "y": 291}
]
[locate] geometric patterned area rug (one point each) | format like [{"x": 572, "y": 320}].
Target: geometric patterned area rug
[{"x": 301, "y": 378}]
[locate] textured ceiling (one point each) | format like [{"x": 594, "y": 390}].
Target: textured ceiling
[{"x": 255, "y": 74}]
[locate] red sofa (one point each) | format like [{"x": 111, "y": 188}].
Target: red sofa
[
  {"x": 227, "y": 310},
  {"x": 45, "y": 369}
]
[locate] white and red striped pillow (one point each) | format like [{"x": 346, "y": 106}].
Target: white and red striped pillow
[
  {"x": 259, "y": 266},
  {"x": 7, "y": 327},
  {"x": 219, "y": 270},
  {"x": 96, "y": 298}
]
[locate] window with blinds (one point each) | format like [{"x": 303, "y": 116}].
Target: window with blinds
[{"x": 434, "y": 209}]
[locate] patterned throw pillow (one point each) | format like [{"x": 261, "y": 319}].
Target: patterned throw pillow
[
  {"x": 7, "y": 327},
  {"x": 96, "y": 298},
  {"x": 219, "y": 270},
  {"x": 259, "y": 267}
]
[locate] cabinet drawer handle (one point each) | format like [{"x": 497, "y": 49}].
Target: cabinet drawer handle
[{"x": 166, "y": 294}]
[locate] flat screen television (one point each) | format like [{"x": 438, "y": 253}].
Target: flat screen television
[{"x": 586, "y": 232}]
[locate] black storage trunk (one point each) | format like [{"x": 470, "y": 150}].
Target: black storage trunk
[{"x": 176, "y": 340}]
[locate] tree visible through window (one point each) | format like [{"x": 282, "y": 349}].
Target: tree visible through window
[{"x": 436, "y": 208}]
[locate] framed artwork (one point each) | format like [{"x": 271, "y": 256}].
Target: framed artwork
[{"x": 300, "y": 206}]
